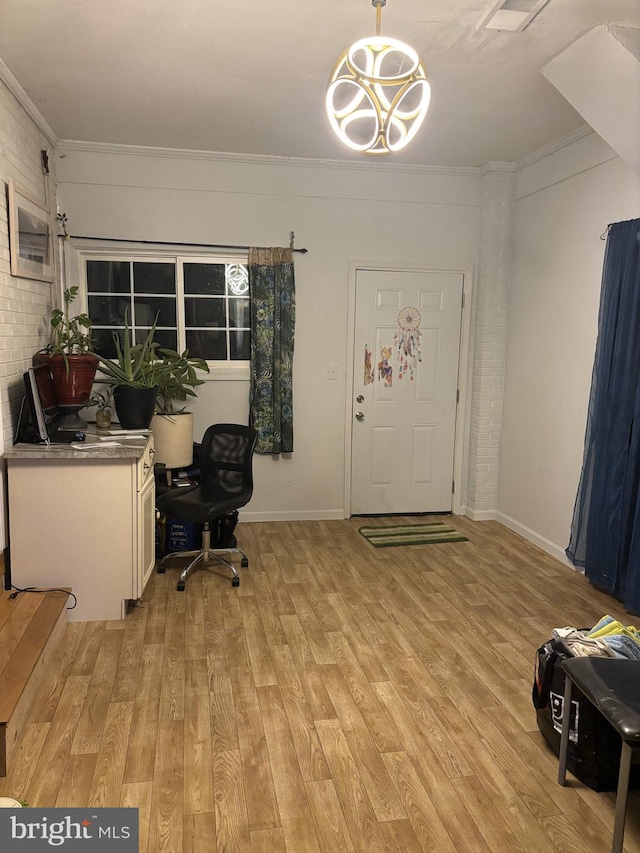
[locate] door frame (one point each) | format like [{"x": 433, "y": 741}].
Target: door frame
[{"x": 465, "y": 355}]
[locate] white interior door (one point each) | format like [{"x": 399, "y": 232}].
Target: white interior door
[{"x": 407, "y": 344}]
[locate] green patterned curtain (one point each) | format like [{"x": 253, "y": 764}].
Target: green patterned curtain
[{"x": 272, "y": 289}]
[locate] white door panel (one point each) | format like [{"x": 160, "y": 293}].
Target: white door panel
[{"x": 404, "y": 427}]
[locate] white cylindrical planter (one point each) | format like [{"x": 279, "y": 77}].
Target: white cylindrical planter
[{"x": 173, "y": 439}]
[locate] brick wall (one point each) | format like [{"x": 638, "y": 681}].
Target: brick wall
[
  {"x": 490, "y": 339},
  {"x": 24, "y": 304}
]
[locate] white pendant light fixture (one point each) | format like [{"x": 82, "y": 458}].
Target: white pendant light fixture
[{"x": 378, "y": 93}]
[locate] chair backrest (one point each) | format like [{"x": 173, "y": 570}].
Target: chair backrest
[{"x": 226, "y": 459}]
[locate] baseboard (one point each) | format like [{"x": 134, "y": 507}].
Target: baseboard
[
  {"x": 543, "y": 543},
  {"x": 480, "y": 514},
  {"x": 293, "y": 515},
  {"x": 333, "y": 514}
]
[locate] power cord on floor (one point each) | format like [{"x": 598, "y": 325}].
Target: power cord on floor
[{"x": 16, "y": 592}]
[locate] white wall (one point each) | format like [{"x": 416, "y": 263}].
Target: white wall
[
  {"x": 24, "y": 304},
  {"x": 564, "y": 202},
  {"x": 372, "y": 213}
]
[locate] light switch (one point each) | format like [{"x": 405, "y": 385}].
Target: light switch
[{"x": 332, "y": 371}]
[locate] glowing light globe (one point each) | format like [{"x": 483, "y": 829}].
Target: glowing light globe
[{"x": 378, "y": 95}]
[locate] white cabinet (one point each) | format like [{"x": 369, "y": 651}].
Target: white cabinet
[{"x": 85, "y": 520}]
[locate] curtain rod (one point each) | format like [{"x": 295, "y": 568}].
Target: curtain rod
[{"x": 171, "y": 243}]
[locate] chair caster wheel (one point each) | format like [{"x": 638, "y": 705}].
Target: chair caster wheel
[
  {"x": 245, "y": 563},
  {"x": 161, "y": 569},
  {"x": 235, "y": 581},
  {"x": 180, "y": 586}
]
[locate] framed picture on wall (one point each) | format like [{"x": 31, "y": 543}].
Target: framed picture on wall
[{"x": 30, "y": 238}]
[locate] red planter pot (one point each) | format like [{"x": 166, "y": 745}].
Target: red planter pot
[{"x": 72, "y": 386}]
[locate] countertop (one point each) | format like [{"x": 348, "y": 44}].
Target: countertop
[{"x": 112, "y": 447}]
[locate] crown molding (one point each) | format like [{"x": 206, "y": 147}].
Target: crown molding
[
  {"x": 26, "y": 103},
  {"x": 557, "y": 145},
  {"x": 539, "y": 153},
  {"x": 259, "y": 159},
  {"x": 497, "y": 166}
]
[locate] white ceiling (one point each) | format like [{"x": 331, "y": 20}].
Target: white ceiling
[{"x": 249, "y": 76}]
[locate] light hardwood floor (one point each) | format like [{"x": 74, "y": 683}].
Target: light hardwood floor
[{"x": 343, "y": 698}]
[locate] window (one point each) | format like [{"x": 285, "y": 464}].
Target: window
[
  {"x": 216, "y": 310},
  {"x": 199, "y": 304}
]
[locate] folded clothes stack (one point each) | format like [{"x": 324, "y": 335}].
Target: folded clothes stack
[{"x": 608, "y": 638}]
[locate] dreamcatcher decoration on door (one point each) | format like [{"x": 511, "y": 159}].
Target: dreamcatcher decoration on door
[{"x": 407, "y": 341}]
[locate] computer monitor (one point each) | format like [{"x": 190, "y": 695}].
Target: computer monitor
[{"x": 46, "y": 417}]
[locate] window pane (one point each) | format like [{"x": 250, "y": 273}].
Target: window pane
[
  {"x": 240, "y": 345},
  {"x": 205, "y": 279},
  {"x": 239, "y": 315},
  {"x": 108, "y": 277},
  {"x": 206, "y": 344},
  {"x": 147, "y": 308},
  {"x": 204, "y": 312},
  {"x": 167, "y": 338},
  {"x": 108, "y": 310},
  {"x": 154, "y": 278},
  {"x": 103, "y": 343}
]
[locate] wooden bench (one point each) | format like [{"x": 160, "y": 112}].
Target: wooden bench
[{"x": 31, "y": 626}]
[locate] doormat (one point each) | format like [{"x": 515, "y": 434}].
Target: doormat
[{"x": 411, "y": 534}]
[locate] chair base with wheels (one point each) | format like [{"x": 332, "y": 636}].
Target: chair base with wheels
[
  {"x": 205, "y": 555},
  {"x": 226, "y": 484},
  {"x": 613, "y": 688}
]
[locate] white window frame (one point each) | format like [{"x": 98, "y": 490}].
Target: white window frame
[{"x": 235, "y": 371}]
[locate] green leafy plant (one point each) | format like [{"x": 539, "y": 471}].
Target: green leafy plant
[
  {"x": 146, "y": 365},
  {"x": 101, "y": 399},
  {"x": 69, "y": 335},
  {"x": 131, "y": 364},
  {"x": 176, "y": 376}
]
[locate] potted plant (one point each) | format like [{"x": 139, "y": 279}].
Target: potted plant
[
  {"x": 145, "y": 378},
  {"x": 69, "y": 354},
  {"x": 134, "y": 384},
  {"x": 102, "y": 401},
  {"x": 176, "y": 376}
]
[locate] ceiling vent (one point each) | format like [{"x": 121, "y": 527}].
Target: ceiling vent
[{"x": 511, "y": 15}]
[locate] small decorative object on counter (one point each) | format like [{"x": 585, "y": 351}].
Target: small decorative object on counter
[
  {"x": 103, "y": 418},
  {"x": 102, "y": 399}
]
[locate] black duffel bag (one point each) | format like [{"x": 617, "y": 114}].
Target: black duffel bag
[{"x": 594, "y": 746}]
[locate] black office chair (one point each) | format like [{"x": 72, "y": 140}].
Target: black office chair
[
  {"x": 226, "y": 484},
  {"x": 613, "y": 687}
]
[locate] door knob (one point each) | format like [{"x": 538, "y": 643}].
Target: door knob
[
  {"x": 359, "y": 399},
  {"x": 359, "y": 416}
]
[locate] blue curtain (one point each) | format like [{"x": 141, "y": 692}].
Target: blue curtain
[
  {"x": 605, "y": 533},
  {"x": 272, "y": 289}
]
